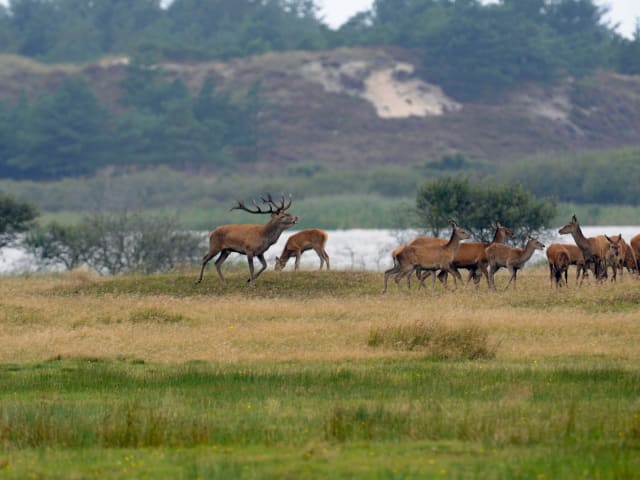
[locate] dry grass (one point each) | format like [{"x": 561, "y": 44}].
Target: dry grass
[{"x": 38, "y": 322}]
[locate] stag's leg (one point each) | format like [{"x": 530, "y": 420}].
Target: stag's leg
[
  {"x": 263, "y": 262},
  {"x": 223, "y": 256},
  {"x": 210, "y": 254},
  {"x": 297, "y": 264}
]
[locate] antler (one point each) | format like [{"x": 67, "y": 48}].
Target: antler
[
  {"x": 269, "y": 201},
  {"x": 242, "y": 206},
  {"x": 279, "y": 208}
]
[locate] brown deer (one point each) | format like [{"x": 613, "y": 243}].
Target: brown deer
[
  {"x": 615, "y": 255},
  {"x": 634, "y": 243},
  {"x": 559, "y": 259},
  {"x": 248, "y": 239},
  {"x": 575, "y": 258},
  {"x": 513, "y": 259},
  {"x": 300, "y": 242},
  {"x": 624, "y": 257},
  {"x": 472, "y": 256},
  {"x": 594, "y": 249},
  {"x": 428, "y": 256}
]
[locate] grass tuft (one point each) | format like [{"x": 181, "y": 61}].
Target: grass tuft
[
  {"x": 155, "y": 315},
  {"x": 440, "y": 341}
]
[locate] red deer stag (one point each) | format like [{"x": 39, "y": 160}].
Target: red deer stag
[
  {"x": 594, "y": 249},
  {"x": 302, "y": 241},
  {"x": 575, "y": 258},
  {"x": 559, "y": 259},
  {"x": 513, "y": 259},
  {"x": 248, "y": 239},
  {"x": 428, "y": 256}
]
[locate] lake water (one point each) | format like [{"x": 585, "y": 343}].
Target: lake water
[{"x": 353, "y": 249}]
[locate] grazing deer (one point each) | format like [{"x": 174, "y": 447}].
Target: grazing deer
[
  {"x": 472, "y": 256},
  {"x": 594, "y": 249},
  {"x": 575, "y": 258},
  {"x": 248, "y": 239},
  {"x": 302, "y": 241},
  {"x": 559, "y": 259},
  {"x": 428, "y": 256},
  {"x": 513, "y": 259}
]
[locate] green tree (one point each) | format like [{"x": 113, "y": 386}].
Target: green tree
[
  {"x": 15, "y": 217},
  {"x": 474, "y": 206},
  {"x": 63, "y": 134}
]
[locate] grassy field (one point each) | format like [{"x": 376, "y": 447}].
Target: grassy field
[{"x": 316, "y": 375}]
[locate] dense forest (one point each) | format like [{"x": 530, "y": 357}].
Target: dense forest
[{"x": 473, "y": 50}]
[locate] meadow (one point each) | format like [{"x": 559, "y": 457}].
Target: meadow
[{"x": 316, "y": 375}]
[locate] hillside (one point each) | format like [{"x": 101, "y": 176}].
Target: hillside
[{"x": 351, "y": 108}]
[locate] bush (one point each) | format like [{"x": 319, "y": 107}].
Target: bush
[{"x": 116, "y": 243}]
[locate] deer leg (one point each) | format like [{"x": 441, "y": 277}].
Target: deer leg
[
  {"x": 319, "y": 252},
  {"x": 263, "y": 262},
  {"x": 514, "y": 272},
  {"x": 250, "y": 262},
  {"x": 223, "y": 256},
  {"x": 205, "y": 260},
  {"x": 393, "y": 270},
  {"x": 492, "y": 276},
  {"x": 326, "y": 258},
  {"x": 298, "y": 254}
]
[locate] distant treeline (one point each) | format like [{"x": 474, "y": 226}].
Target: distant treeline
[
  {"x": 469, "y": 48},
  {"x": 69, "y": 133}
]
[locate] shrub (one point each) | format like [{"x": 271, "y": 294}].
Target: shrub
[{"x": 439, "y": 341}]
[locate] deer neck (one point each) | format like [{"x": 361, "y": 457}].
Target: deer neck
[
  {"x": 453, "y": 243},
  {"x": 499, "y": 236},
  {"x": 527, "y": 252},
  {"x": 273, "y": 230},
  {"x": 580, "y": 239}
]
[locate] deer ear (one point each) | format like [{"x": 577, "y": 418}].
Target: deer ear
[
  {"x": 574, "y": 219},
  {"x": 495, "y": 224},
  {"x": 608, "y": 239}
]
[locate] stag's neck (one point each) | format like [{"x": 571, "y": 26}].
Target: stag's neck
[{"x": 272, "y": 232}]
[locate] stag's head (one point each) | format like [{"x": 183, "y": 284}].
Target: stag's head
[
  {"x": 570, "y": 227},
  {"x": 278, "y": 211}
]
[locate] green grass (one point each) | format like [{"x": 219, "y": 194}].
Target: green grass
[{"x": 410, "y": 418}]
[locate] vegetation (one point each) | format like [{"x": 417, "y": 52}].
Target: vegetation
[
  {"x": 336, "y": 382},
  {"x": 115, "y": 243},
  {"x": 475, "y": 206},
  {"x": 15, "y": 217}
]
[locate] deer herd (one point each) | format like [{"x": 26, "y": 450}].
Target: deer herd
[{"x": 429, "y": 256}]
